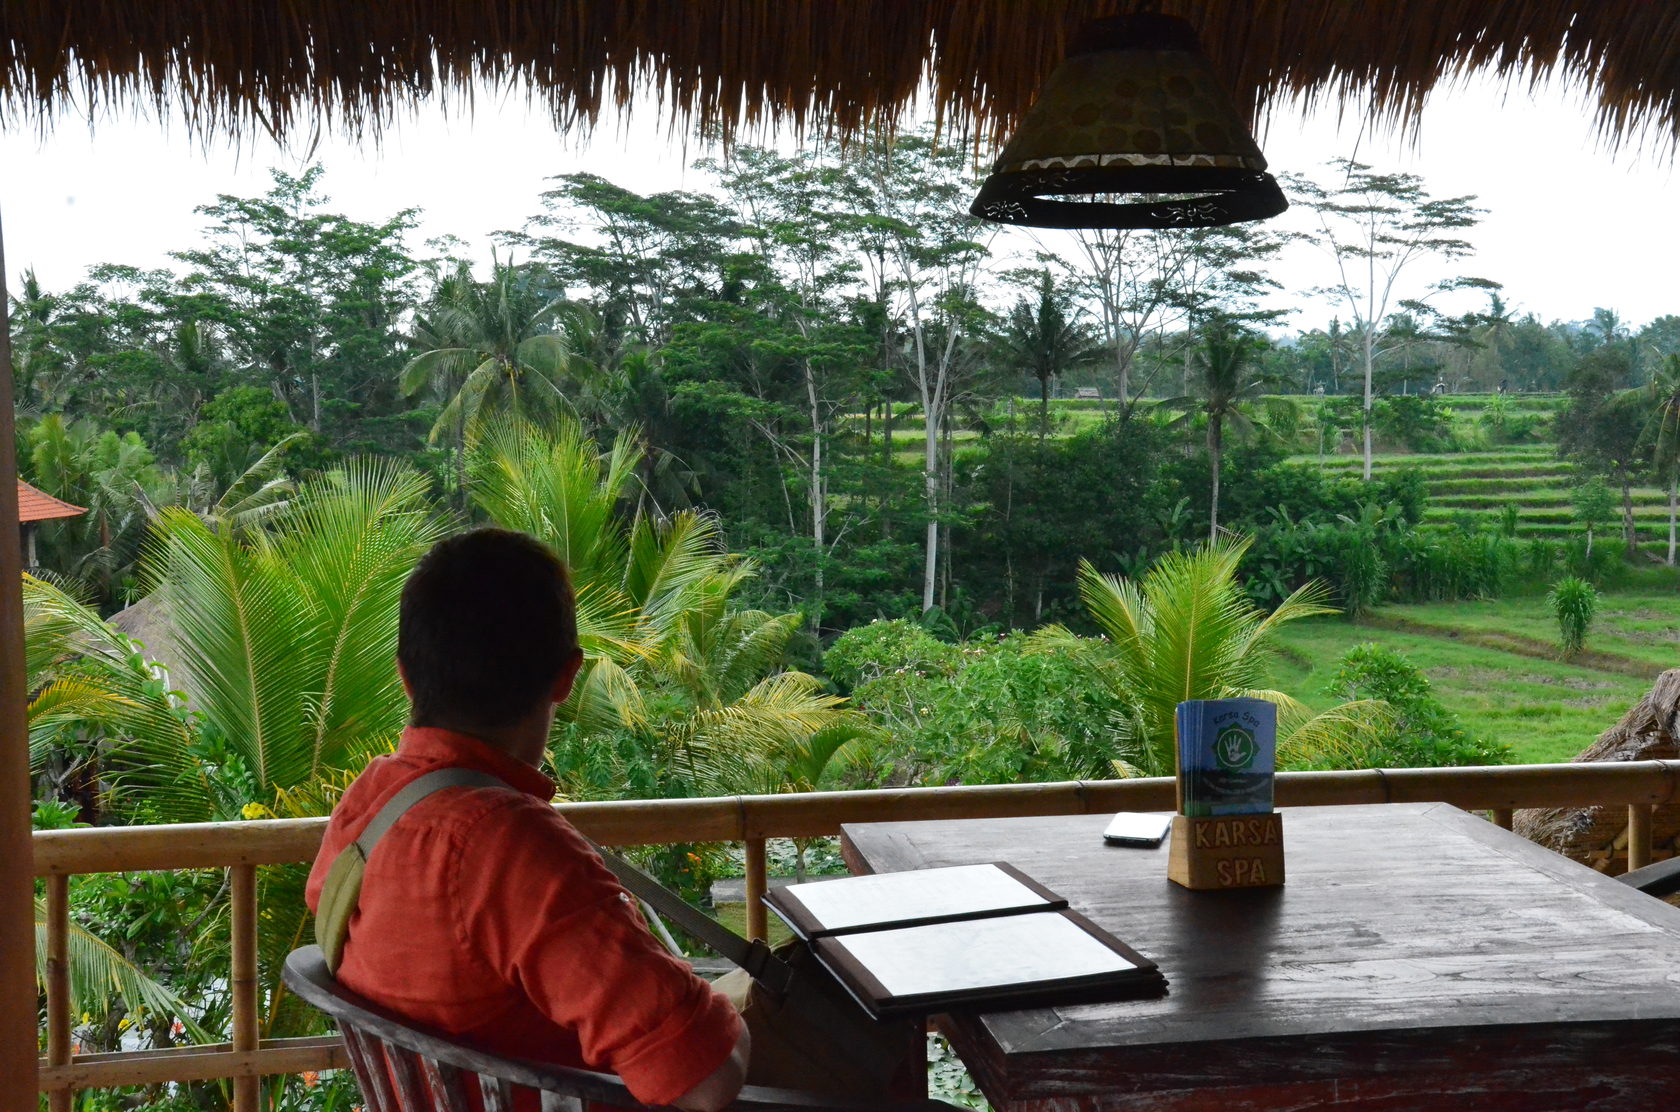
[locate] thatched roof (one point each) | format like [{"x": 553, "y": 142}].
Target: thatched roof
[
  {"x": 250, "y": 66},
  {"x": 149, "y": 622},
  {"x": 1597, "y": 836}
]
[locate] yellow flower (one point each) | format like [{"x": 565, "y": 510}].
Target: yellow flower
[
  {"x": 124, "y": 1023},
  {"x": 256, "y": 811}
]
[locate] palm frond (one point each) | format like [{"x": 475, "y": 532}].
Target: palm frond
[{"x": 99, "y": 972}]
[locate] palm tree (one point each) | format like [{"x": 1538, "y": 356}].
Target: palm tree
[
  {"x": 91, "y": 691},
  {"x": 490, "y": 347},
  {"x": 287, "y": 635},
  {"x": 1228, "y": 381},
  {"x": 1187, "y": 630},
  {"x": 682, "y": 691},
  {"x": 43, "y": 364},
  {"x": 1043, "y": 341},
  {"x": 1497, "y": 327},
  {"x": 113, "y": 477}
]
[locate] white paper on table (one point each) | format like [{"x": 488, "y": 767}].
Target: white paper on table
[
  {"x": 859, "y": 901},
  {"x": 981, "y": 953}
]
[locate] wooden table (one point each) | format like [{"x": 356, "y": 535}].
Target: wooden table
[{"x": 1418, "y": 958}]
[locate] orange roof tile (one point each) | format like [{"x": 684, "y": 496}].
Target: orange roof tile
[{"x": 35, "y": 505}]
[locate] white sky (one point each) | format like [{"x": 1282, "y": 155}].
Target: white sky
[{"x": 1570, "y": 226}]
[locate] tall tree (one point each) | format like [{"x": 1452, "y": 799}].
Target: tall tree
[
  {"x": 910, "y": 199},
  {"x": 310, "y": 302},
  {"x": 490, "y": 348},
  {"x": 1376, "y": 228},
  {"x": 646, "y": 260},
  {"x": 792, "y": 210},
  {"x": 1042, "y": 337},
  {"x": 1602, "y": 428},
  {"x": 1229, "y": 379},
  {"x": 1663, "y": 427}
]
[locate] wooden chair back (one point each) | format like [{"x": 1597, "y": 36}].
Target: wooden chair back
[{"x": 403, "y": 1067}]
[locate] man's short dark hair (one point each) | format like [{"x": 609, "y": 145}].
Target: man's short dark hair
[{"x": 487, "y": 623}]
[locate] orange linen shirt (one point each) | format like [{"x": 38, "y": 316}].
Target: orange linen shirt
[{"x": 485, "y": 914}]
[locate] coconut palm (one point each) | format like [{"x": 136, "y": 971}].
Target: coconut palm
[
  {"x": 1187, "y": 630},
  {"x": 289, "y": 633},
  {"x": 490, "y": 348},
  {"x": 682, "y": 691},
  {"x": 1040, "y": 339},
  {"x": 95, "y": 700},
  {"x": 91, "y": 691},
  {"x": 1229, "y": 381}
]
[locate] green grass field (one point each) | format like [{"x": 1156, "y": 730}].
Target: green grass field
[{"x": 1545, "y": 709}]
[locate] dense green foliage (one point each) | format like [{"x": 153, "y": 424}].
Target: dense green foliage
[{"x": 1422, "y": 733}]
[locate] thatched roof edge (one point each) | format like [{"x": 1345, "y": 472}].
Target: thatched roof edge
[{"x": 246, "y": 67}]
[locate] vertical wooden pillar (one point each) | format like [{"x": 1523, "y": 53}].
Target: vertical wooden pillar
[
  {"x": 246, "y": 1090},
  {"x": 17, "y": 863},
  {"x": 1639, "y": 835},
  {"x": 758, "y": 925},
  {"x": 58, "y": 985}
]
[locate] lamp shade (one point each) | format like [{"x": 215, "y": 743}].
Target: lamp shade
[{"x": 1134, "y": 108}]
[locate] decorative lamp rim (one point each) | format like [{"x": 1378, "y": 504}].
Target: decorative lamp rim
[{"x": 1226, "y": 195}]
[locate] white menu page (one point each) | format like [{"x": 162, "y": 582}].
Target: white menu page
[
  {"x": 859, "y": 901},
  {"x": 981, "y": 953}
]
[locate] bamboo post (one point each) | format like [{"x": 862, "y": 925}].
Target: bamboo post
[
  {"x": 1503, "y": 817},
  {"x": 244, "y": 929},
  {"x": 758, "y": 923},
  {"x": 58, "y": 984},
  {"x": 1639, "y": 835},
  {"x": 18, "y": 1063}
]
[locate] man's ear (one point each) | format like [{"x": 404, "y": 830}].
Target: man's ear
[{"x": 568, "y": 675}]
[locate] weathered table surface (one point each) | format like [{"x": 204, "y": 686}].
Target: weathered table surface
[{"x": 1419, "y": 957}]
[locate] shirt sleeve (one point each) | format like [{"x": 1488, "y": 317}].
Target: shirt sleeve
[{"x": 543, "y": 911}]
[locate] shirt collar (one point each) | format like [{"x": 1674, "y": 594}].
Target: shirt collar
[{"x": 434, "y": 745}]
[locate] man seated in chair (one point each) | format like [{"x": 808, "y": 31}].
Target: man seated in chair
[{"x": 483, "y": 913}]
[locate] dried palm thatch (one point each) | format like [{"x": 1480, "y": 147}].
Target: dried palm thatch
[
  {"x": 1597, "y": 836},
  {"x": 291, "y": 66}
]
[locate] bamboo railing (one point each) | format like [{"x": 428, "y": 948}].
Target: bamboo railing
[{"x": 242, "y": 847}]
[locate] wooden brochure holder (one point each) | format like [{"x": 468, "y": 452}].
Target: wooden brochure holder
[{"x": 1229, "y": 851}]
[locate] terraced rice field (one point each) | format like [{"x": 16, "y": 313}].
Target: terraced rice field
[{"x": 1474, "y": 487}]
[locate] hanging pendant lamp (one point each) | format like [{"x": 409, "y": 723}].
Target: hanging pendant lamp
[{"x": 1135, "y": 107}]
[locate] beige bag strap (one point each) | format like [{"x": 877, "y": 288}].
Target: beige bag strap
[
  {"x": 754, "y": 956},
  {"x": 341, "y": 891}
]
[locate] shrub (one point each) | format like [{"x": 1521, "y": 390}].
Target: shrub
[
  {"x": 1508, "y": 518},
  {"x": 994, "y": 710},
  {"x": 867, "y": 652},
  {"x": 1540, "y": 558},
  {"x": 1574, "y": 602},
  {"x": 1422, "y": 422},
  {"x": 1446, "y": 566},
  {"x": 1425, "y": 734}
]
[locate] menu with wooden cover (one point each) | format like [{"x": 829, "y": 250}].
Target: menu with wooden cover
[{"x": 917, "y": 943}]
